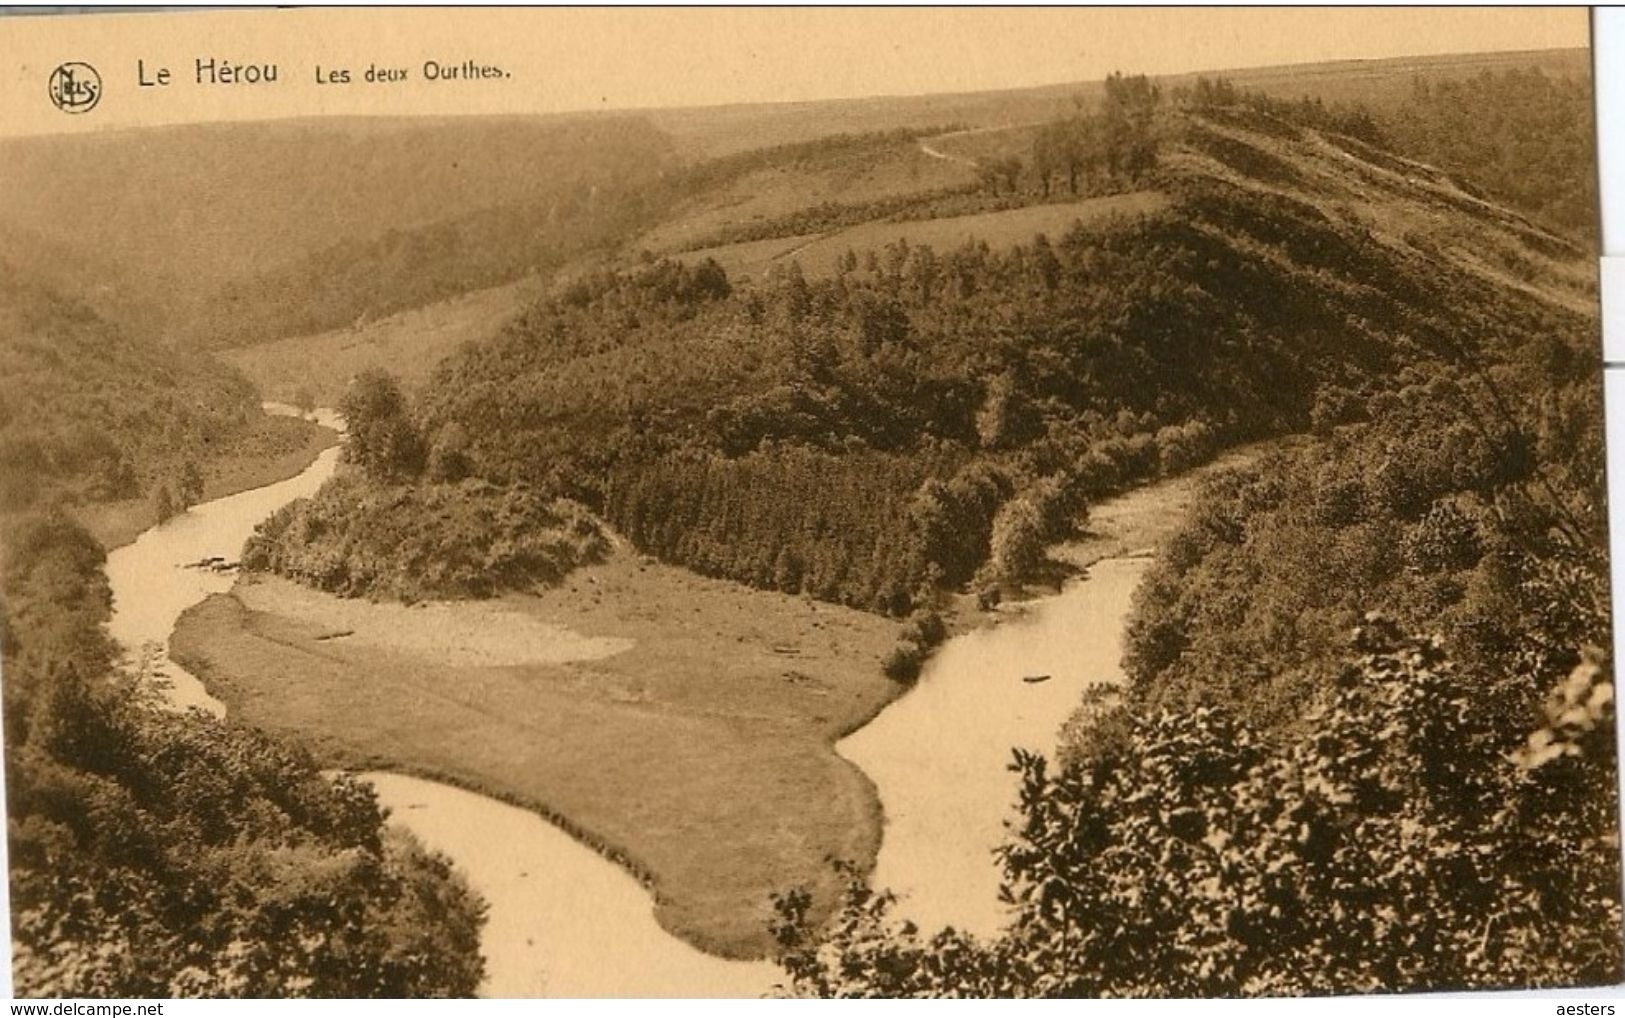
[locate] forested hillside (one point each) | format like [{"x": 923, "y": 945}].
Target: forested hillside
[
  {"x": 861, "y": 438},
  {"x": 1299, "y": 792},
  {"x": 1368, "y": 740},
  {"x": 121, "y": 431},
  {"x": 255, "y": 231},
  {"x": 154, "y": 854},
  {"x": 160, "y": 855}
]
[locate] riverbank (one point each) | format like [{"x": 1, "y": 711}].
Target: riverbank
[
  {"x": 1137, "y": 522},
  {"x": 682, "y": 726},
  {"x": 1007, "y": 678},
  {"x": 274, "y": 448}
]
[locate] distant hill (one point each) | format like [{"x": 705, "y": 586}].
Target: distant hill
[
  {"x": 249, "y": 231},
  {"x": 720, "y": 130}
]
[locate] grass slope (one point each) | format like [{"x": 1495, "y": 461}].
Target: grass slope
[
  {"x": 855, "y": 174},
  {"x": 409, "y": 343},
  {"x": 819, "y": 255}
]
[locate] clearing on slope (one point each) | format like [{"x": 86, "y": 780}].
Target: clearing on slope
[{"x": 819, "y": 255}]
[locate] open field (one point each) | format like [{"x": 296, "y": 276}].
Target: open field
[
  {"x": 408, "y": 344},
  {"x": 819, "y": 256},
  {"x": 770, "y": 193},
  {"x": 689, "y": 735},
  {"x": 751, "y": 258},
  {"x": 275, "y": 449}
]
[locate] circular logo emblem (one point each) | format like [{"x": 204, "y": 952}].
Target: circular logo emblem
[{"x": 75, "y": 87}]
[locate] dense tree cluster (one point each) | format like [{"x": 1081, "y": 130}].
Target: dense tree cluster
[
  {"x": 783, "y": 517},
  {"x": 1456, "y": 518},
  {"x": 360, "y": 537},
  {"x": 1267, "y": 808},
  {"x": 1521, "y": 135},
  {"x": 1116, "y": 144},
  {"x": 406, "y": 521},
  {"x": 1085, "y": 363},
  {"x": 162, "y": 855}
]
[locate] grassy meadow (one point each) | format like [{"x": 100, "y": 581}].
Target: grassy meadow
[
  {"x": 410, "y": 342},
  {"x": 819, "y": 255},
  {"x": 701, "y": 756}
]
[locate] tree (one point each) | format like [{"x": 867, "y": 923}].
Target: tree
[
  {"x": 163, "y": 503},
  {"x": 379, "y": 434},
  {"x": 1070, "y": 146},
  {"x": 1130, "y": 110},
  {"x": 189, "y": 486},
  {"x": 1017, "y": 542},
  {"x": 1006, "y": 418},
  {"x": 448, "y": 456}
]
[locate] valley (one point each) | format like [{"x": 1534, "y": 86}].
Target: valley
[{"x": 821, "y": 549}]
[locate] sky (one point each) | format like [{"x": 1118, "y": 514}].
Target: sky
[{"x": 556, "y": 60}]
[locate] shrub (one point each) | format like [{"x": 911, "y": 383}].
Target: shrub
[{"x": 903, "y": 664}]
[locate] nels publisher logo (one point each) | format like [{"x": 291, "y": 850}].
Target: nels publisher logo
[{"x": 75, "y": 87}]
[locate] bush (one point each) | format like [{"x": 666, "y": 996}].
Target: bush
[
  {"x": 926, "y": 629},
  {"x": 379, "y": 434},
  {"x": 903, "y": 664}
]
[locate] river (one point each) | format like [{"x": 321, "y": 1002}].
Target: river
[
  {"x": 154, "y": 578},
  {"x": 563, "y": 921},
  {"x": 566, "y": 922},
  {"x": 940, "y": 756}
]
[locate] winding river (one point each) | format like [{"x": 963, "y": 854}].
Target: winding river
[
  {"x": 566, "y": 922},
  {"x": 158, "y": 576},
  {"x": 940, "y": 755}
]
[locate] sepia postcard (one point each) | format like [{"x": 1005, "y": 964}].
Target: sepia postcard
[{"x": 804, "y": 502}]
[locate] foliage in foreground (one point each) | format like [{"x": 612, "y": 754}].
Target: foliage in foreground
[
  {"x": 162, "y": 855},
  {"x": 1399, "y": 840}
]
